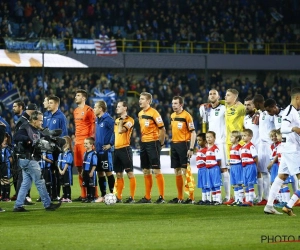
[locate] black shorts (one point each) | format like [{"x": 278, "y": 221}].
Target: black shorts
[
  {"x": 89, "y": 181},
  {"x": 105, "y": 162},
  {"x": 150, "y": 155},
  {"x": 66, "y": 179},
  {"x": 179, "y": 157},
  {"x": 5, "y": 171},
  {"x": 47, "y": 175},
  {"x": 123, "y": 160}
]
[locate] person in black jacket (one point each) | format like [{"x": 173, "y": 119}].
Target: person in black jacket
[
  {"x": 26, "y": 139},
  {"x": 22, "y": 120},
  {"x": 2, "y": 134}
]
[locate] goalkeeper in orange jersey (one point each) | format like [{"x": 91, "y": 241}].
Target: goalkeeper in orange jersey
[{"x": 84, "y": 127}]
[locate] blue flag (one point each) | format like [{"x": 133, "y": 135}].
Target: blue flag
[{"x": 9, "y": 98}]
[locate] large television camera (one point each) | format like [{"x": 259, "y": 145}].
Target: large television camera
[{"x": 50, "y": 141}]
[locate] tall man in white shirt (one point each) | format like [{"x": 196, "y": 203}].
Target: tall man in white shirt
[
  {"x": 214, "y": 115},
  {"x": 289, "y": 165},
  {"x": 266, "y": 124},
  {"x": 273, "y": 110}
]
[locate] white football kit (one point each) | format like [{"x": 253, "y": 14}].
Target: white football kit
[
  {"x": 266, "y": 124},
  {"x": 215, "y": 117},
  {"x": 291, "y": 142}
]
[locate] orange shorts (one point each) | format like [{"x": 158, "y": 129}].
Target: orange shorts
[{"x": 79, "y": 150}]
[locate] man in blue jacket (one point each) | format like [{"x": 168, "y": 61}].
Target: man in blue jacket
[
  {"x": 55, "y": 120},
  {"x": 47, "y": 113},
  {"x": 104, "y": 143}
]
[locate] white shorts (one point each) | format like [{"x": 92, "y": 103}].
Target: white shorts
[
  {"x": 263, "y": 156},
  {"x": 290, "y": 163},
  {"x": 222, "y": 149}
]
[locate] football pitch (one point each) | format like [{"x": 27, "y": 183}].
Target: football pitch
[{"x": 146, "y": 226}]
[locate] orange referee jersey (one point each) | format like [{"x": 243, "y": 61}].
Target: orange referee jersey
[
  {"x": 150, "y": 123},
  {"x": 182, "y": 125},
  {"x": 84, "y": 123},
  {"x": 123, "y": 140}
]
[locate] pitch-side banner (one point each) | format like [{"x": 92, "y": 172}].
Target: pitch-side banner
[{"x": 47, "y": 45}]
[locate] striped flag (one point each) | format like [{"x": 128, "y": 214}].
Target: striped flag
[
  {"x": 189, "y": 185},
  {"x": 9, "y": 98},
  {"x": 105, "y": 47}
]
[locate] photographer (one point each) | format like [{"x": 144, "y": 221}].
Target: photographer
[{"x": 26, "y": 138}]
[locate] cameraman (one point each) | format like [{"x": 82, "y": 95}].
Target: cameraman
[{"x": 25, "y": 139}]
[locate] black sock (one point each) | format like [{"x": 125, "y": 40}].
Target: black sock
[
  {"x": 68, "y": 192},
  {"x": 7, "y": 191},
  {"x": 111, "y": 183},
  {"x": 3, "y": 191},
  {"x": 102, "y": 185},
  {"x": 92, "y": 192},
  {"x": 49, "y": 190},
  {"x": 64, "y": 192}
]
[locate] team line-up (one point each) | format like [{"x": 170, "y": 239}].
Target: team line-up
[{"x": 244, "y": 144}]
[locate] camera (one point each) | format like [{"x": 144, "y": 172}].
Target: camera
[{"x": 50, "y": 141}]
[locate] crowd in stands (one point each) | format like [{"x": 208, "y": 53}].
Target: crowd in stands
[
  {"x": 162, "y": 85},
  {"x": 253, "y": 22}
]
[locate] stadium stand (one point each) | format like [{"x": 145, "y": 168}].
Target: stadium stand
[{"x": 240, "y": 25}]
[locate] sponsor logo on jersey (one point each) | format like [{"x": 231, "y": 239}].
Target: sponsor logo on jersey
[{"x": 159, "y": 120}]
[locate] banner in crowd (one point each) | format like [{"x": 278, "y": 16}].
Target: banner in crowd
[
  {"x": 47, "y": 45},
  {"x": 105, "y": 47},
  {"x": 84, "y": 46},
  {"x": 108, "y": 96},
  {"x": 97, "y": 47},
  {"x": 9, "y": 98}
]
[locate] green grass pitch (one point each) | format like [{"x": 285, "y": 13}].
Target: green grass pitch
[{"x": 144, "y": 226}]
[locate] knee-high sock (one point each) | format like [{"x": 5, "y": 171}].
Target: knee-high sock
[
  {"x": 49, "y": 190},
  {"x": 120, "y": 184},
  {"x": 259, "y": 188},
  {"x": 204, "y": 194},
  {"x": 132, "y": 186},
  {"x": 226, "y": 183},
  {"x": 82, "y": 188},
  {"x": 64, "y": 192},
  {"x": 179, "y": 185},
  {"x": 3, "y": 191},
  {"x": 111, "y": 183},
  {"x": 68, "y": 192},
  {"x": 236, "y": 194},
  {"x": 96, "y": 192},
  {"x": 286, "y": 196},
  {"x": 208, "y": 194},
  {"x": 160, "y": 181},
  {"x": 92, "y": 193},
  {"x": 148, "y": 185},
  {"x": 274, "y": 190},
  {"x": 295, "y": 183},
  {"x": 295, "y": 197},
  {"x": 241, "y": 194},
  {"x": 247, "y": 194},
  {"x": 102, "y": 185},
  {"x": 266, "y": 184},
  {"x": 251, "y": 192}
]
